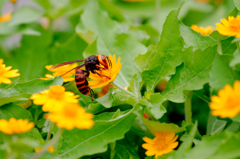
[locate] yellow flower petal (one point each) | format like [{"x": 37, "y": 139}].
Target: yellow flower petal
[
  {"x": 227, "y": 103},
  {"x": 6, "y": 73},
  {"x": 204, "y": 31},
  {"x": 163, "y": 143},
  {"x": 62, "y": 71},
  {"x": 71, "y": 116},
  {"x": 101, "y": 81},
  {"x": 54, "y": 98},
  {"x": 14, "y": 126},
  {"x": 230, "y": 27}
]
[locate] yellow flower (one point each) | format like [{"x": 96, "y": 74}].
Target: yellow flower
[
  {"x": 14, "y": 126},
  {"x": 61, "y": 71},
  {"x": 50, "y": 149},
  {"x": 203, "y": 1},
  {"x": 71, "y": 116},
  {"x": 101, "y": 81},
  {"x": 13, "y": 1},
  {"x": 204, "y": 31},
  {"x": 5, "y": 73},
  {"x": 227, "y": 103},
  {"x": 6, "y": 17},
  {"x": 230, "y": 27},
  {"x": 54, "y": 98},
  {"x": 163, "y": 143}
]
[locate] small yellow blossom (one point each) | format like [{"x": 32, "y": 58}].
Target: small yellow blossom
[
  {"x": 62, "y": 71},
  {"x": 163, "y": 143},
  {"x": 230, "y": 27},
  {"x": 54, "y": 98},
  {"x": 227, "y": 103},
  {"x": 203, "y": 1},
  {"x": 13, "y": 1},
  {"x": 101, "y": 81},
  {"x": 5, "y": 73},
  {"x": 71, "y": 116},
  {"x": 204, "y": 31},
  {"x": 50, "y": 149},
  {"x": 14, "y": 126},
  {"x": 6, "y": 17}
]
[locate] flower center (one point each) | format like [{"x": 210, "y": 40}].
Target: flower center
[
  {"x": 56, "y": 92},
  {"x": 233, "y": 102},
  {"x": 70, "y": 112},
  {"x": 235, "y": 25},
  {"x": 160, "y": 144}
]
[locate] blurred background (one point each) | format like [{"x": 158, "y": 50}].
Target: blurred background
[{"x": 36, "y": 33}]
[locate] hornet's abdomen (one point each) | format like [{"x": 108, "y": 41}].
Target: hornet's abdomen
[{"x": 81, "y": 82}]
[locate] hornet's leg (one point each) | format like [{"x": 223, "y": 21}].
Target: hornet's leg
[{"x": 94, "y": 71}]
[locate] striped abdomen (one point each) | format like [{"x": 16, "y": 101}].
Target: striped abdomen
[{"x": 81, "y": 82}]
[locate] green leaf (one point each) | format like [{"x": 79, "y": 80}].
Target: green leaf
[
  {"x": 237, "y": 4},
  {"x": 235, "y": 63},
  {"x": 161, "y": 61},
  {"x": 191, "y": 75},
  {"x": 22, "y": 91},
  {"x": 124, "y": 149},
  {"x": 76, "y": 142},
  {"x": 12, "y": 110},
  {"x": 5, "y": 29},
  {"x": 24, "y": 15},
  {"x": 139, "y": 128},
  {"x": 110, "y": 41},
  {"x": 215, "y": 125},
  {"x": 43, "y": 3},
  {"x": 69, "y": 50},
  {"x": 186, "y": 145},
  {"x": 157, "y": 109},
  {"x": 156, "y": 126},
  {"x": 221, "y": 74},
  {"x": 112, "y": 10},
  {"x": 237, "y": 118},
  {"x": 31, "y": 58},
  {"x": 209, "y": 145},
  {"x": 195, "y": 39},
  {"x": 106, "y": 100},
  {"x": 136, "y": 85},
  {"x": 230, "y": 149}
]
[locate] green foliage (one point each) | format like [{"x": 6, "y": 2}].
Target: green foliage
[
  {"x": 191, "y": 75},
  {"x": 98, "y": 137},
  {"x": 24, "y": 15},
  {"x": 110, "y": 41},
  {"x": 162, "y": 59},
  {"x": 22, "y": 91},
  {"x": 155, "y": 43}
]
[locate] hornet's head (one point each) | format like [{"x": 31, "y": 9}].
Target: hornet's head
[{"x": 104, "y": 60}]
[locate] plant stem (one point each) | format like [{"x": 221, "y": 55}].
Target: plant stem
[
  {"x": 49, "y": 131},
  {"x": 120, "y": 87},
  {"x": 49, "y": 144},
  {"x": 188, "y": 108}
]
